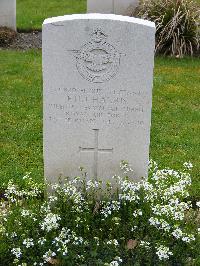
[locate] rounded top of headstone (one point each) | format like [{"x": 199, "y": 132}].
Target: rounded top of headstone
[{"x": 100, "y": 17}]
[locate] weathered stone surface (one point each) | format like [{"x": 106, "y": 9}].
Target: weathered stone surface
[
  {"x": 103, "y": 6},
  {"x": 119, "y": 7},
  {"x": 97, "y": 72},
  {"x": 8, "y": 13}
]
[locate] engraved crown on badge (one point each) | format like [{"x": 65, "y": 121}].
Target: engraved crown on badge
[{"x": 98, "y": 35}]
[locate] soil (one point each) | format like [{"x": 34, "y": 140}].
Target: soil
[{"x": 25, "y": 41}]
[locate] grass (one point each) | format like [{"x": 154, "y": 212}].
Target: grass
[
  {"x": 31, "y": 14},
  {"x": 175, "y": 116},
  {"x": 21, "y": 114}
]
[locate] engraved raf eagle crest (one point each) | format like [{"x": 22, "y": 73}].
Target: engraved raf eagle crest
[{"x": 97, "y": 61}]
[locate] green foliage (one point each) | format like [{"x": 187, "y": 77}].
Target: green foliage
[
  {"x": 177, "y": 25},
  {"x": 88, "y": 222},
  {"x": 31, "y": 14}
]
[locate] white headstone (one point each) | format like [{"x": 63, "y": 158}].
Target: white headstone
[
  {"x": 97, "y": 72},
  {"x": 8, "y": 13},
  {"x": 119, "y": 7}
]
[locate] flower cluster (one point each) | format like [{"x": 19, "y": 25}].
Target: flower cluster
[
  {"x": 28, "y": 242},
  {"x": 163, "y": 252},
  {"x": 109, "y": 207},
  {"x": 89, "y": 222},
  {"x": 50, "y": 222},
  {"x": 16, "y": 252},
  {"x": 14, "y": 193}
]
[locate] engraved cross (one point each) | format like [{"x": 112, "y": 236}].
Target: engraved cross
[{"x": 96, "y": 150}]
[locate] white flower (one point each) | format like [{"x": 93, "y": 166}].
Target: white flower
[
  {"x": 163, "y": 252},
  {"x": 41, "y": 241},
  {"x": 14, "y": 193},
  {"x": 13, "y": 235},
  {"x": 96, "y": 240},
  {"x": 118, "y": 259},
  {"x": 65, "y": 237},
  {"x": 152, "y": 165},
  {"x": 129, "y": 190},
  {"x": 113, "y": 242},
  {"x": 188, "y": 238},
  {"x": 134, "y": 228},
  {"x": 188, "y": 165},
  {"x": 28, "y": 242},
  {"x": 116, "y": 262},
  {"x": 27, "y": 176},
  {"x": 16, "y": 252},
  {"x": 177, "y": 233},
  {"x": 25, "y": 213},
  {"x": 92, "y": 184},
  {"x": 109, "y": 208},
  {"x": 77, "y": 240},
  {"x": 48, "y": 255},
  {"x": 145, "y": 244},
  {"x": 125, "y": 167},
  {"x": 154, "y": 221},
  {"x": 164, "y": 225},
  {"x": 55, "y": 186},
  {"x": 198, "y": 204},
  {"x": 52, "y": 199},
  {"x": 137, "y": 213},
  {"x": 65, "y": 251},
  {"x": 50, "y": 222}
]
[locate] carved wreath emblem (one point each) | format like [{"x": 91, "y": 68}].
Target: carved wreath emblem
[{"x": 97, "y": 61}]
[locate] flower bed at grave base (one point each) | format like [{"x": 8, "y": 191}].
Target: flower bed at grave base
[{"x": 83, "y": 223}]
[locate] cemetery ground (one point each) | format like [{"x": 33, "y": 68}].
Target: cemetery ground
[{"x": 175, "y": 117}]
